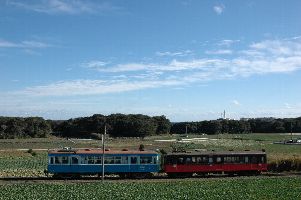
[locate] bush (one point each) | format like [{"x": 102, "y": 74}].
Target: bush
[
  {"x": 293, "y": 164},
  {"x": 29, "y": 151}
]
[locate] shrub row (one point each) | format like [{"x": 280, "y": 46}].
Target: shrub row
[{"x": 293, "y": 164}]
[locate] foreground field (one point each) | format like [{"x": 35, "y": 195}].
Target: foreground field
[{"x": 244, "y": 188}]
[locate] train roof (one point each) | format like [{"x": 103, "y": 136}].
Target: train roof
[
  {"x": 97, "y": 151},
  {"x": 195, "y": 153}
]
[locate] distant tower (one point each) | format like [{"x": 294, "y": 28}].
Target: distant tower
[{"x": 224, "y": 114}]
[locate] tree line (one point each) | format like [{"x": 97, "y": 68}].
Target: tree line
[
  {"x": 118, "y": 125},
  {"x": 256, "y": 125},
  {"x": 138, "y": 125}
]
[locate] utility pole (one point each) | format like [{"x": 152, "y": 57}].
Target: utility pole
[
  {"x": 292, "y": 131},
  {"x": 103, "y": 153}
]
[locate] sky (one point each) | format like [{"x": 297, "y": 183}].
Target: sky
[{"x": 186, "y": 59}]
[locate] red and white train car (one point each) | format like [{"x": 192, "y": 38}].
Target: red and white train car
[{"x": 230, "y": 162}]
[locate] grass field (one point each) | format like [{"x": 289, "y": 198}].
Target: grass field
[
  {"x": 15, "y": 161},
  {"x": 244, "y": 188}
]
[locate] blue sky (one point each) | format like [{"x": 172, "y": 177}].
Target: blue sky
[{"x": 186, "y": 59}]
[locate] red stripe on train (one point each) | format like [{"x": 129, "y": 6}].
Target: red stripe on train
[{"x": 215, "y": 168}]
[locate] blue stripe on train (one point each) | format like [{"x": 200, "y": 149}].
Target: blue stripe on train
[{"x": 90, "y": 168}]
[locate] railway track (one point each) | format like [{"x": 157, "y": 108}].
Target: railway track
[{"x": 157, "y": 178}]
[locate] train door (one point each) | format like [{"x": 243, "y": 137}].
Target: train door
[
  {"x": 134, "y": 163},
  {"x": 74, "y": 164},
  {"x": 218, "y": 160}
]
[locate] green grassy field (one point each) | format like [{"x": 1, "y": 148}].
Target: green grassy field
[{"x": 245, "y": 188}]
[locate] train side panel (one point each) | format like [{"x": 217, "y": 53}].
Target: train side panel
[{"x": 60, "y": 163}]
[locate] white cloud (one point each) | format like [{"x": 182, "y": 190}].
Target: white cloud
[
  {"x": 219, "y": 52},
  {"x": 180, "y": 53},
  {"x": 91, "y": 87},
  {"x": 219, "y": 9},
  {"x": 235, "y": 102},
  {"x": 23, "y": 44},
  {"x": 94, "y": 64},
  {"x": 286, "y": 47},
  {"x": 178, "y": 73},
  {"x": 227, "y": 42},
  {"x": 64, "y": 6},
  {"x": 287, "y": 105}
]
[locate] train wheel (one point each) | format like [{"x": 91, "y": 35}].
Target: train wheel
[
  {"x": 171, "y": 175},
  {"x": 123, "y": 175},
  {"x": 202, "y": 174},
  {"x": 140, "y": 175},
  {"x": 179, "y": 175},
  {"x": 231, "y": 174}
]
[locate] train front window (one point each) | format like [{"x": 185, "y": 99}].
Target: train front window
[
  {"x": 51, "y": 161},
  {"x": 155, "y": 159},
  {"x": 262, "y": 159}
]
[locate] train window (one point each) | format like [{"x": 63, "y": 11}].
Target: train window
[
  {"x": 227, "y": 159},
  {"x": 168, "y": 160},
  {"x": 203, "y": 159},
  {"x": 98, "y": 160},
  {"x": 124, "y": 160},
  {"x": 84, "y": 160},
  {"x": 210, "y": 160},
  {"x": 254, "y": 160},
  {"x": 74, "y": 160},
  {"x": 218, "y": 159},
  {"x": 188, "y": 160},
  {"x": 65, "y": 160},
  {"x": 58, "y": 160},
  {"x": 134, "y": 160},
  {"x": 145, "y": 160},
  {"x": 117, "y": 160},
  {"x": 193, "y": 159},
  {"x": 180, "y": 160},
  {"x": 246, "y": 159},
  {"x": 234, "y": 159},
  {"x": 91, "y": 160},
  {"x": 61, "y": 160},
  {"x": 109, "y": 160}
]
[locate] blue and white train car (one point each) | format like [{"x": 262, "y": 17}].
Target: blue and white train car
[{"x": 76, "y": 162}]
